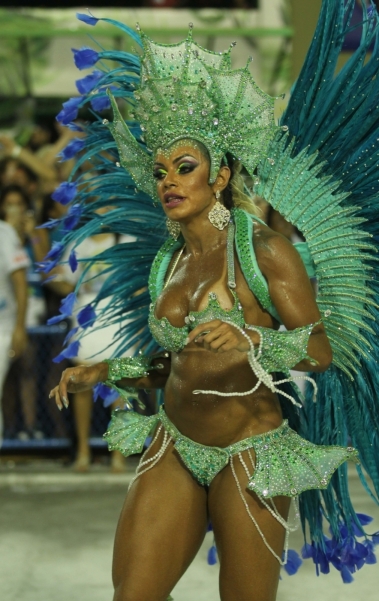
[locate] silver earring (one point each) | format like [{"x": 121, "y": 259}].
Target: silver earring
[
  {"x": 173, "y": 228},
  {"x": 219, "y": 216}
]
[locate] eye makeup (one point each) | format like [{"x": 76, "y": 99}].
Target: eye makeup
[
  {"x": 159, "y": 173},
  {"x": 186, "y": 166}
]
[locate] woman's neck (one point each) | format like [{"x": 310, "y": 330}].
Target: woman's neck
[{"x": 201, "y": 237}]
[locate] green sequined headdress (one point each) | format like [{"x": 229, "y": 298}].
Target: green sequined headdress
[{"x": 187, "y": 92}]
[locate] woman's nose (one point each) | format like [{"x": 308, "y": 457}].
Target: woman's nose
[{"x": 170, "y": 180}]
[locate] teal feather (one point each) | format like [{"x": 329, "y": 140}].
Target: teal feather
[{"x": 333, "y": 147}]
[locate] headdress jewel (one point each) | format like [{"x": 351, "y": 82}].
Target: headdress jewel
[{"x": 187, "y": 92}]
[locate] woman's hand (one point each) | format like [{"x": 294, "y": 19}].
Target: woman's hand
[
  {"x": 218, "y": 337},
  {"x": 19, "y": 342},
  {"x": 77, "y": 379}
]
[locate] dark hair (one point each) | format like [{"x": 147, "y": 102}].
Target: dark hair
[
  {"x": 227, "y": 194},
  {"x": 47, "y": 206},
  {"x": 14, "y": 189}
]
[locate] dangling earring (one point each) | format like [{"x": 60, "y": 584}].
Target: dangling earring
[
  {"x": 173, "y": 228},
  {"x": 219, "y": 216}
]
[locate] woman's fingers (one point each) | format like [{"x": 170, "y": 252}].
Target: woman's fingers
[
  {"x": 201, "y": 329},
  {"x": 62, "y": 387},
  {"x": 217, "y": 344},
  {"x": 55, "y": 395},
  {"x": 218, "y": 336}
]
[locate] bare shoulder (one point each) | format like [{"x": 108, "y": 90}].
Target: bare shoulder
[{"x": 275, "y": 254}]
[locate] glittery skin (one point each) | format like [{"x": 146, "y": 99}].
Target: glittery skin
[
  {"x": 188, "y": 92},
  {"x": 171, "y": 337},
  {"x": 286, "y": 464}
]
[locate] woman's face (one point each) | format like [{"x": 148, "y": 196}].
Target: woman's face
[
  {"x": 182, "y": 176},
  {"x": 14, "y": 205}
]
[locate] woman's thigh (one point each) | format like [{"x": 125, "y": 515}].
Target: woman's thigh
[
  {"x": 248, "y": 570},
  {"x": 161, "y": 527}
]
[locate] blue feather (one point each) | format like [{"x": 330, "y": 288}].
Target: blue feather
[
  {"x": 293, "y": 562},
  {"x": 72, "y": 149},
  {"x": 346, "y": 575},
  {"x": 65, "y": 193},
  {"x": 89, "y": 82},
  {"x": 68, "y": 353},
  {"x": 85, "y": 57},
  {"x": 70, "y": 334},
  {"x": 89, "y": 19},
  {"x": 108, "y": 395},
  {"x": 70, "y": 111},
  {"x": 67, "y": 304},
  {"x": 212, "y": 555},
  {"x": 86, "y": 317},
  {"x": 73, "y": 261}
]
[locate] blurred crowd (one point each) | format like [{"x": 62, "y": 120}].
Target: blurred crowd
[{"x": 28, "y": 176}]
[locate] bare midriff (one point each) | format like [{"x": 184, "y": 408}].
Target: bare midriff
[{"x": 214, "y": 420}]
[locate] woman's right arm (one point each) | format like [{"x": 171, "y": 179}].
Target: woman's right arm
[{"x": 85, "y": 377}]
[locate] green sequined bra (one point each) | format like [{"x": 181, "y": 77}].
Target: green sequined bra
[{"x": 174, "y": 338}]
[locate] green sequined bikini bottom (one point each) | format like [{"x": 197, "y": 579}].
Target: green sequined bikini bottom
[{"x": 285, "y": 463}]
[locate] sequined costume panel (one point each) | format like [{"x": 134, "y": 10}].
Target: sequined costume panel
[{"x": 286, "y": 464}]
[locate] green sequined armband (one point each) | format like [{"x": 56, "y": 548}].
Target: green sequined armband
[
  {"x": 282, "y": 350},
  {"x": 130, "y": 367}
]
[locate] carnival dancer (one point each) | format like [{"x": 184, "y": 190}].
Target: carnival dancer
[{"x": 219, "y": 288}]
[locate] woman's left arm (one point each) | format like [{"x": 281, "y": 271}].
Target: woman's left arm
[{"x": 292, "y": 294}]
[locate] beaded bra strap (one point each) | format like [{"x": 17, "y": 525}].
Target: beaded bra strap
[{"x": 230, "y": 256}]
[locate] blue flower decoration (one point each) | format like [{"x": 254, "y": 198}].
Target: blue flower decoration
[
  {"x": 72, "y": 149},
  {"x": 69, "y": 111},
  {"x": 65, "y": 193},
  {"x": 89, "y": 19},
  {"x": 85, "y": 57},
  {"x": 88, "y": 83}
]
